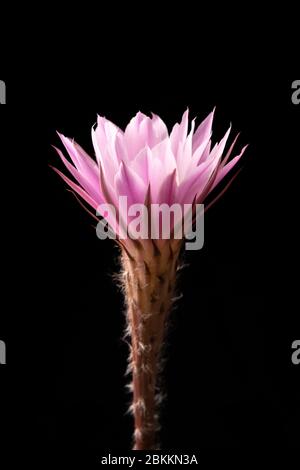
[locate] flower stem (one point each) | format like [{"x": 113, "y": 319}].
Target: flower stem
[{"x": 149, "y": 281}]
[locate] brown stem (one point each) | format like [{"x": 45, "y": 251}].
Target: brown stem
[{"x": 149, "y": 281}]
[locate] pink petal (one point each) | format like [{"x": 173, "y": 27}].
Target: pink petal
[
  {"x": 204, "y": 156},
  {"x": 78, "y": 189},
  {"x": 166, "y": 192},
  {"x": 163, "y": 152},
  {"x": 83, "y": 162},
  {"x": 159, "y": 130},
  {"x": 141, "y": 164},
  {"x": 223, "y": 172},
  {"x": 204, "y": 130},
  {"x": 92, "y": 189},
  {"x": 184, "y": 157},
  {"x": 196, "y": 182},
  {"x": 70, "y": 149},
  {"x": 136, "y": 134},
  {"x": 104, "y": 159},
  {"x": 200, "y": 176},
  {"x": 156, "y": 177},
  {"x": 128, "y": 183},
  {"x": 120, "y": 148},
  {"x": 179, "y": 133}
]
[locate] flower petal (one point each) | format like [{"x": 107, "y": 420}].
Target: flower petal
[
  {"x": 78, "y": 189},
  {"x": 128, "y": 183},
  {"x": 179, "y": 133},
  {"x": 204, "y": 131},
  {"x": 90, "y": 186},
  {"x": 223, "y": 171}
]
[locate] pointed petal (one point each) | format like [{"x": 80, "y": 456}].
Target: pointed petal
[
  {"x": 109, "y": 166},
  {"x": 78, "y": 189},
  {"x": 159, "y": 130},
  {"x": 70, "y": 149},
  {"x": 179, "y": 133},
  {"x": 184, "y": 159},
  {"x": 136, "y": 134},
  {"x": 198, "y": 180},
  {"x": 83, "y": 162},
  {"x": 92, "y": 188},
  {"x": 223, "y": 171},
  {"x": 166, "y": 192},
  {"x": 128, "y": 183},
  {"x": 156, "y": 177},
  {"x": 204, "y": 131}
]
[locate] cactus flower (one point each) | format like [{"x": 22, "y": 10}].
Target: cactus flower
[{"x": 148, "y": 165}]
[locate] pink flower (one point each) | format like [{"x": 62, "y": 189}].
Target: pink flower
[
  {"x": 148, "y": 165},
  {"x": 181, "y": 167}
]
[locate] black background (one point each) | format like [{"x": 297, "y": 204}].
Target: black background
[{"x": 229, "y": 377}]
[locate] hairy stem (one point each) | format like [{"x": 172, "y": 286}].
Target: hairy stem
[{"x": 149, "y": 275}]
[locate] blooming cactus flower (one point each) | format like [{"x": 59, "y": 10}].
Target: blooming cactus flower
[
  {"x": 149, "y": 166},
  {"x": 180, "y": 168}
]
